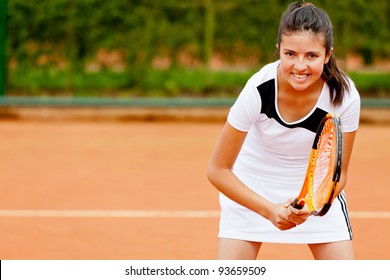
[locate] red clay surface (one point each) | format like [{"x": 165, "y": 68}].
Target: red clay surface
[{"x": 149, "y": 166}]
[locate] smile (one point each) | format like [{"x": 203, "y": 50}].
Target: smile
[{"x": 300, "y": 77}]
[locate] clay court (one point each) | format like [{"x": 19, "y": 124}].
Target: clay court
[{"x": 138, "y": 190}]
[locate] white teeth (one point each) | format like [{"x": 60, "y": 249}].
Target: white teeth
[{"x": 300, "y": 77}]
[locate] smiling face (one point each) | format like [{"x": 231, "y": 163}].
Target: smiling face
[{"x": 302, "y": 59}]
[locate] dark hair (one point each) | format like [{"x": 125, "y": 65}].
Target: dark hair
[{"x": 301, "y": 16}]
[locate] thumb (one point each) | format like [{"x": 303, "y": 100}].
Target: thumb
[{"x": 288, "y": 203}]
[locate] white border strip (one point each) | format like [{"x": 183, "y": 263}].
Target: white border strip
[{"x": 151, "y": 214}]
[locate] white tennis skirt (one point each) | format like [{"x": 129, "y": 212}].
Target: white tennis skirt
[{"x": 238, "y": 222}]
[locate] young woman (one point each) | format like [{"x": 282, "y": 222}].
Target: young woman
[{"x": 260, "y": 160}]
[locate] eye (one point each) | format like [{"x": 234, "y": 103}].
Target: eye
[
  {"x": 289, "y": 53},
  {"x": 312, "y": 55}
]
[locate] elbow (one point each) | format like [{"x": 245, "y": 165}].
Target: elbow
[
  {"x": 211, "y": 173},
  {"x": 217, "y": 175}
]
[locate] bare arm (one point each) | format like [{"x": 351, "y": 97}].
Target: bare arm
[{"x": 221, "y": 176}]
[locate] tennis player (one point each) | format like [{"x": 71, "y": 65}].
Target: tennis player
[{"x": 260, "y": 160}]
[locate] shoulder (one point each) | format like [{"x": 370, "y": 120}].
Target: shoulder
[
  {"x": 247, "y": 107},
  {"x": 349, "y": 110},
  {"x": 351, "y": 98},
  {"x": 258, "y": 81},
  {"x": 352, "y": 94},
  {"x": 266, "y": 73}
]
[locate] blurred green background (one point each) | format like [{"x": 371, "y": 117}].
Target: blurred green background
[{"x": 173, "y": 48}]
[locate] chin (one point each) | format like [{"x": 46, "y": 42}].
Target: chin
[{"x": 300, "y": 86}]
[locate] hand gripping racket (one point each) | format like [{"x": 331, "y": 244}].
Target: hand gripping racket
[{"x": 324, "y": 169}]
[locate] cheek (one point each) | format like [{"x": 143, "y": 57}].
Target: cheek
[
  {"x": 285, "y": 67},
  {"x": 317, "y": 69}
]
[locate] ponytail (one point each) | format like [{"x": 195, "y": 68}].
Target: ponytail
[{"x": 337, "y": 81}]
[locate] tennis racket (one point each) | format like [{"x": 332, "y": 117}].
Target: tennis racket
[{"x": 324, "y": 169}]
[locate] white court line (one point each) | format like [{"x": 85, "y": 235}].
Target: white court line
[
  {"x": 110, "y": 213},
  {"x": 151, "y": 214},
  {"x": 370, "y": 214}
]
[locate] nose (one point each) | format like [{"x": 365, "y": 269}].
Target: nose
[{"x": 300, "y": 65}]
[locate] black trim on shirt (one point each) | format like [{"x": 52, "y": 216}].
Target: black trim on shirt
[{"x": 267, "y": 95}]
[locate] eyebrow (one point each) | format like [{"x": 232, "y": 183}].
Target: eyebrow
[{"x": 315, "y": 52}]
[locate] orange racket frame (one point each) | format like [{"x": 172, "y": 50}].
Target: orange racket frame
[{"x": 307, "y": 194}]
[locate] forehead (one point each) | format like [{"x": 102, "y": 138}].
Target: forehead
[{"x": 303, "y": 40}]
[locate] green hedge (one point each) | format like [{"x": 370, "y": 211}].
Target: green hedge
[
  {"x": 51, "y": 42},
  {"x": 172, "y": 82}
]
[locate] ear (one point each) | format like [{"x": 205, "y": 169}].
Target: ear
[
  {"x": 277, "y": 50},
  {"x": 328, "y": 56}
]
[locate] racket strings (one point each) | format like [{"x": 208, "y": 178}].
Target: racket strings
[{"x": 322, "y": 176}]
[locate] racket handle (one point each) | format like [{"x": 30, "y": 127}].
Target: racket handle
[{"x": 297, "y": 204}]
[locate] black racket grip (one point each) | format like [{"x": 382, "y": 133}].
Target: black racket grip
[{"x": 296, "y": 205}]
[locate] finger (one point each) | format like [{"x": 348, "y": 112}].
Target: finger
[{"x": 300, "y": 212}]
